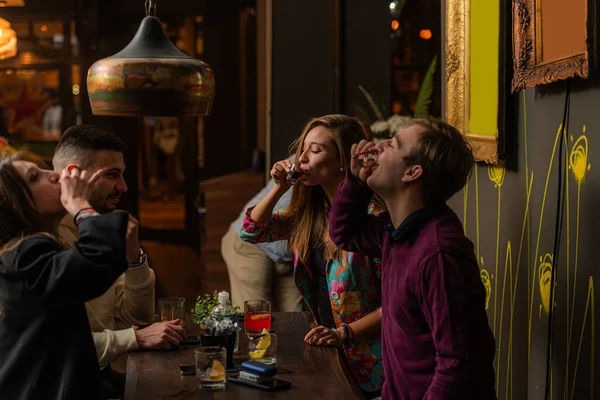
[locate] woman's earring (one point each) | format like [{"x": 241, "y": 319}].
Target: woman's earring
[{"x": 341, "y": 169}]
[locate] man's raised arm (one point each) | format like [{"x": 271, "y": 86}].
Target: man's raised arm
[{"x": 351, "y": 227}]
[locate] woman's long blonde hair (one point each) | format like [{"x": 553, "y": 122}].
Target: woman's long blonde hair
[{"x": 309, "y": 207}]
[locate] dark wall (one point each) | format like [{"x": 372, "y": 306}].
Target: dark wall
[
  {"x": 514, "y": 235},
  {"x": 222, "y": 139},
  {"x": 303, "y": 68},
  {"x": 366, "y": 52},
  {"x": 322, "y": 50}
]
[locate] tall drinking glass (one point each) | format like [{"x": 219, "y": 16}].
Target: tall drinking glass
[{"x": 257, "y": 316}]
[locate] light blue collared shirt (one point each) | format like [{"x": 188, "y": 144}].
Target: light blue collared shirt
[{"x": 277, "y": 251}]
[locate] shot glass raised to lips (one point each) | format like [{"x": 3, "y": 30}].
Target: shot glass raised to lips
[
  {"x": 295, "y": 174},
  {"x": 368, "y": 159}
]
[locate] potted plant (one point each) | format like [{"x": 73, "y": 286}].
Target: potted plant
[
  {"x": 384, "y": 127},
  {"x": 204, "y": 306}
]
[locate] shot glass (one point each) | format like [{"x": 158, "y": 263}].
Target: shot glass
[
  {"x": 369, "y": 159},
  {"x": 211, "y": 372},
  {"x": 172, "y": 308},
  {"x": 295, "y": 174},
  {"x": 263, "y": 348}
]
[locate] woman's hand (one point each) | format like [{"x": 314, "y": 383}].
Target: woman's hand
[
  {"x": 279, "y": 174},
  {"x": 76, "y": 188},
  {"x": 321, "y": 336},
  {"x": 263, "y": 211}
]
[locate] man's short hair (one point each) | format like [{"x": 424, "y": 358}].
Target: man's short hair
[
  {"x": 446, "y": 159},
  {"x": 80, "y": 142}
]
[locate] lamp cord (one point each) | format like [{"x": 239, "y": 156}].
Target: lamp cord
[
  {"x": 560, "y": 208},
  {"x": 150, "y": 8}
]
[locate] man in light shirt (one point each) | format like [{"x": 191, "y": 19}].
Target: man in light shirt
[{"x": 130, "y": 300}]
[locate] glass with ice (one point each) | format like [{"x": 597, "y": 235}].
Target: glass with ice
[{"x": 210, "y": 367}]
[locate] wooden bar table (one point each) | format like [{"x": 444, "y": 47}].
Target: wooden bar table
[{"x": 314, "y": 371}]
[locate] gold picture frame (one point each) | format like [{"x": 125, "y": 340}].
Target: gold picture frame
[
  {"x": 457, "y": 100},
  {"x": 529, "y": 68}
]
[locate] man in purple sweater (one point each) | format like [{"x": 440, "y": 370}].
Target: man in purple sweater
[{"x": 437, "y": 343}]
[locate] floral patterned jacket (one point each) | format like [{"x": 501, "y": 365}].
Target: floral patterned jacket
[{"x": 354, "y": 283}]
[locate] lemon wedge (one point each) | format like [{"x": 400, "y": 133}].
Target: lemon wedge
[
  {"x": 265, "y": 341},
  {"x": 257, "y": 354},
  {"x": 217, "y": 372}
]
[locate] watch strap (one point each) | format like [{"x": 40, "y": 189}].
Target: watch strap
[
  {"x": 83, "y": 214},
  {"x": 141, "y": 260}
]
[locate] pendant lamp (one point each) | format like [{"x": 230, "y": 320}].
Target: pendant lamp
[
  {"x": 8, "y": 40},
  {"x": 150, "y": 77}
]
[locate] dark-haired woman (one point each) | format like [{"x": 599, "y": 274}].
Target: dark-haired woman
[{"x": 46, "y": 347}]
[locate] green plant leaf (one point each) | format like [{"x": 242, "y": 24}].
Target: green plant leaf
[
  {"x": 376, "y": 110},
  {"x": 425, "y": 92}
]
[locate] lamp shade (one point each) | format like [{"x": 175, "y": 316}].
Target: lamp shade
[
  {"x": 150, "y": 77},
  {"x": 8, "y": 40}
]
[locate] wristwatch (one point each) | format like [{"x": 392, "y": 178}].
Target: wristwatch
[
  {"x": 83, "y": 214},
  {"x": 141, "y": 260}
]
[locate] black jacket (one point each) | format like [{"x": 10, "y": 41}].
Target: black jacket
[{"x": 46, "y": 346}]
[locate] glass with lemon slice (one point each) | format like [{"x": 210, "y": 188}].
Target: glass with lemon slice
[
  {"x": 263, "y": 347},
  {"x": 210, "y": 367}
]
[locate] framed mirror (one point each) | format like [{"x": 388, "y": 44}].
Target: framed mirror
[
  {"x": 543, "y": 54},
  {"x": 474, "y": 75}
]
